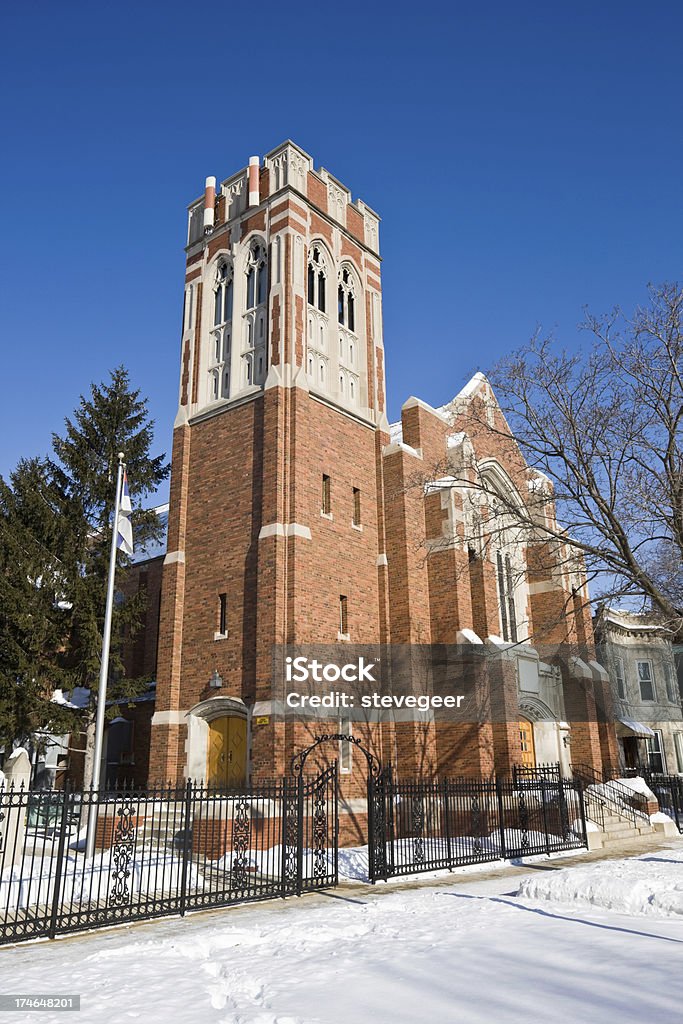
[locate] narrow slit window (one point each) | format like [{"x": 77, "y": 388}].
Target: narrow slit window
[
  {"x": 343, "y": 615},
  {"x": 326, "y": 503},
  {"x": 345, "y": 745},
  {"x": 356, "y": 506},
  {"x": 502, "y": 602},
  {"x": 512, "y": 612},
  {"x": 223, "y": 614}
]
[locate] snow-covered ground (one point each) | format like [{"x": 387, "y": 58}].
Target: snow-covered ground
[
  {"x": 459, "y": 949},
  {"x": 649, "y": 885}
]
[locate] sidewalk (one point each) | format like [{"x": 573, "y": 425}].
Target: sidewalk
[{"x": 461, "y": 947}]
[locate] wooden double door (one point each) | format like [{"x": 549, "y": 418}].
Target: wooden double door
[{"x": 226, "y": 765}]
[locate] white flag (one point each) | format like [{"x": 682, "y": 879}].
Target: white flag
[{"x": 124, "y": 527}]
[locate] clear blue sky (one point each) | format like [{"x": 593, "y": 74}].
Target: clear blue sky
[{"x": 526, "y": 160}]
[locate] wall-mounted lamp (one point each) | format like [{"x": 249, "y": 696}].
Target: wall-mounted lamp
[{"x": 216, "y": 680}]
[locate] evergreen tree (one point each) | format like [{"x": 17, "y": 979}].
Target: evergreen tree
[
  {"x": 55, "y": 537},
  {"x": 113, "y": 419},
  {"x": 34, "y": 616}
]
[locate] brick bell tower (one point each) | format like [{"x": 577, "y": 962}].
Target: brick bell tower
[{"x": 276, "y": 533}]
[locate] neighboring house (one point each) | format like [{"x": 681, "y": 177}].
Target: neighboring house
[
  {"x": 125, "y": 755},
  {"x": 293, "y": 518},
  {"x": 639, "y": 656}
]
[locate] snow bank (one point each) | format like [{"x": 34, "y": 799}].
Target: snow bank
[
  {"x": 651, "y": 885},
  {"x": 662, "y": 817},
  {"x": 637, "y": 785},
  {"x": 612, "y": 791}
]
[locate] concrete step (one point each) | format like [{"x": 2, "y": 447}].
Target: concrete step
[
  {"x": 618, "y": 824},
  {"x": 618, "y": 837}
]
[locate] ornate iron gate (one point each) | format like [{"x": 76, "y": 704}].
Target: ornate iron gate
[
  {"x": 377, "y": 805},
  {"x": 310, "y": 830}
]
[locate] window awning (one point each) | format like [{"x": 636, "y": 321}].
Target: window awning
[{"x": 627, "y": 727}]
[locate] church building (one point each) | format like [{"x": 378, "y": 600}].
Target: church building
[{"x": 294, "y": 517}]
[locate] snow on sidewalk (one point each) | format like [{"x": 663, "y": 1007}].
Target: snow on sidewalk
[
  {"x": 464, "y": 953},
  {"x": 649, "y": 885}
]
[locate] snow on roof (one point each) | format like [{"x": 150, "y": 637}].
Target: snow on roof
[
  {"x": 154, "y": 548},
  {"x": 396, "y": 432},
  {"x": 445, "y": 411},
  {"x": 633, "y": 621},
  {"x": 538, "y": 481},
  {"x": 473, "y": 384},
  {"x": 59, "y": 698},
  {"x": 442, "y": 483}
]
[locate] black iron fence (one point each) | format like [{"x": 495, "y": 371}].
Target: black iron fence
[
  {"x": 550, "y": 771},
  {"x": 174, "y": 850},
  {"x": 159, "y": 852},
  {"x": 417, "y": 826}
]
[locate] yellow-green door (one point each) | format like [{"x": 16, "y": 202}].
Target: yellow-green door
[
  {"x": 526, "y": 743},
  {"x": 227, "y": 752}
]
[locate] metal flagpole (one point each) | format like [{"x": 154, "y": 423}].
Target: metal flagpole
[{"x": 104, "y": 671}]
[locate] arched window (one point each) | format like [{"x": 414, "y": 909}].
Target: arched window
[
  {"x": 223, "y": 289},
  {"x": 316, "y": 278},
  {"x": 254, "y": 353},
  {"x": 318, "y": 324},
  {"x": 221, "y": 332},
  {"x": 506, "y": 597},
  {"x": 346, "y": 300},
  {"x": 257, "y": 276},
  {"x": 350, "y": 343},
  {"x": 505, "y": 541}
]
